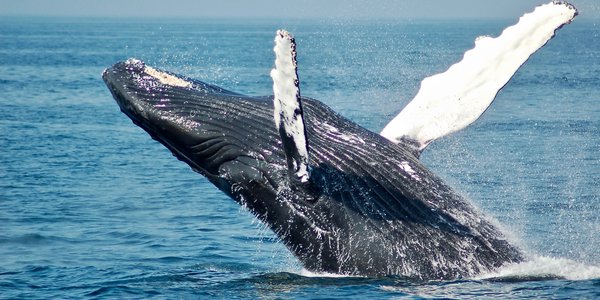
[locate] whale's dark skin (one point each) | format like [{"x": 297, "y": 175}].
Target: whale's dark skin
[{"x": 370, "y": 209}]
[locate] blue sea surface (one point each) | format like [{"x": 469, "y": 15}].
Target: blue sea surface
[{"x": 91, "y": 206}]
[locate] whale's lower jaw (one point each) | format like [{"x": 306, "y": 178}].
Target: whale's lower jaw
[{"x": 375, "y": 209}]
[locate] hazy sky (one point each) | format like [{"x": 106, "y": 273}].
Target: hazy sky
[{"x": 285, "y": 9}]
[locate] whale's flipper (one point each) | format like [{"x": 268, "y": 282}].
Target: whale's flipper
[
  {"x": 450, "y": 101},
  {"x": 288, "y": 107}
]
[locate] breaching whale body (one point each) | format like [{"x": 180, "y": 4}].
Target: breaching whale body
[{"x": 342, "y": 199}]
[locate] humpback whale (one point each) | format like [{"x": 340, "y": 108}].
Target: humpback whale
[{"x": 342, "y": 199}]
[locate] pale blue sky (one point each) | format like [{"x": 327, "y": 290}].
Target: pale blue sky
[{"x": 324, "y": 9}]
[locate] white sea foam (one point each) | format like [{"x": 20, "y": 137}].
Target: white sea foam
[
  {"x": 307, "y": 273},
  {"x": 542, "y": 266}
]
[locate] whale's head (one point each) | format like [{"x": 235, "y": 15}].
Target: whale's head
[{"x": 225, "y": 136}]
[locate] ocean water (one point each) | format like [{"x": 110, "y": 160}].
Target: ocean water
[{"x": 91, "y": 207}]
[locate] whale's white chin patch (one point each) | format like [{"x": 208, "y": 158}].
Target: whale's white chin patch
[{"x": 166, "y": 78}]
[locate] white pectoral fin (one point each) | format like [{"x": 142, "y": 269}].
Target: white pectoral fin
[
  {"x": 450, "y": 101},
  {"x": 288, "y": 114}
]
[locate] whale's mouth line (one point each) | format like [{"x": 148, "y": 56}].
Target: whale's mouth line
[{"x": 171, "y": 146}]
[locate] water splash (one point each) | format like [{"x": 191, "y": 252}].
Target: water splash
[
  {"x": 307, "y": 273},
  {"x": 546, "y": 267}
]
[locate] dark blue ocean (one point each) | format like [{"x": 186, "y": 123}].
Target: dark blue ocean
[{"x": 92, "y": 207}]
